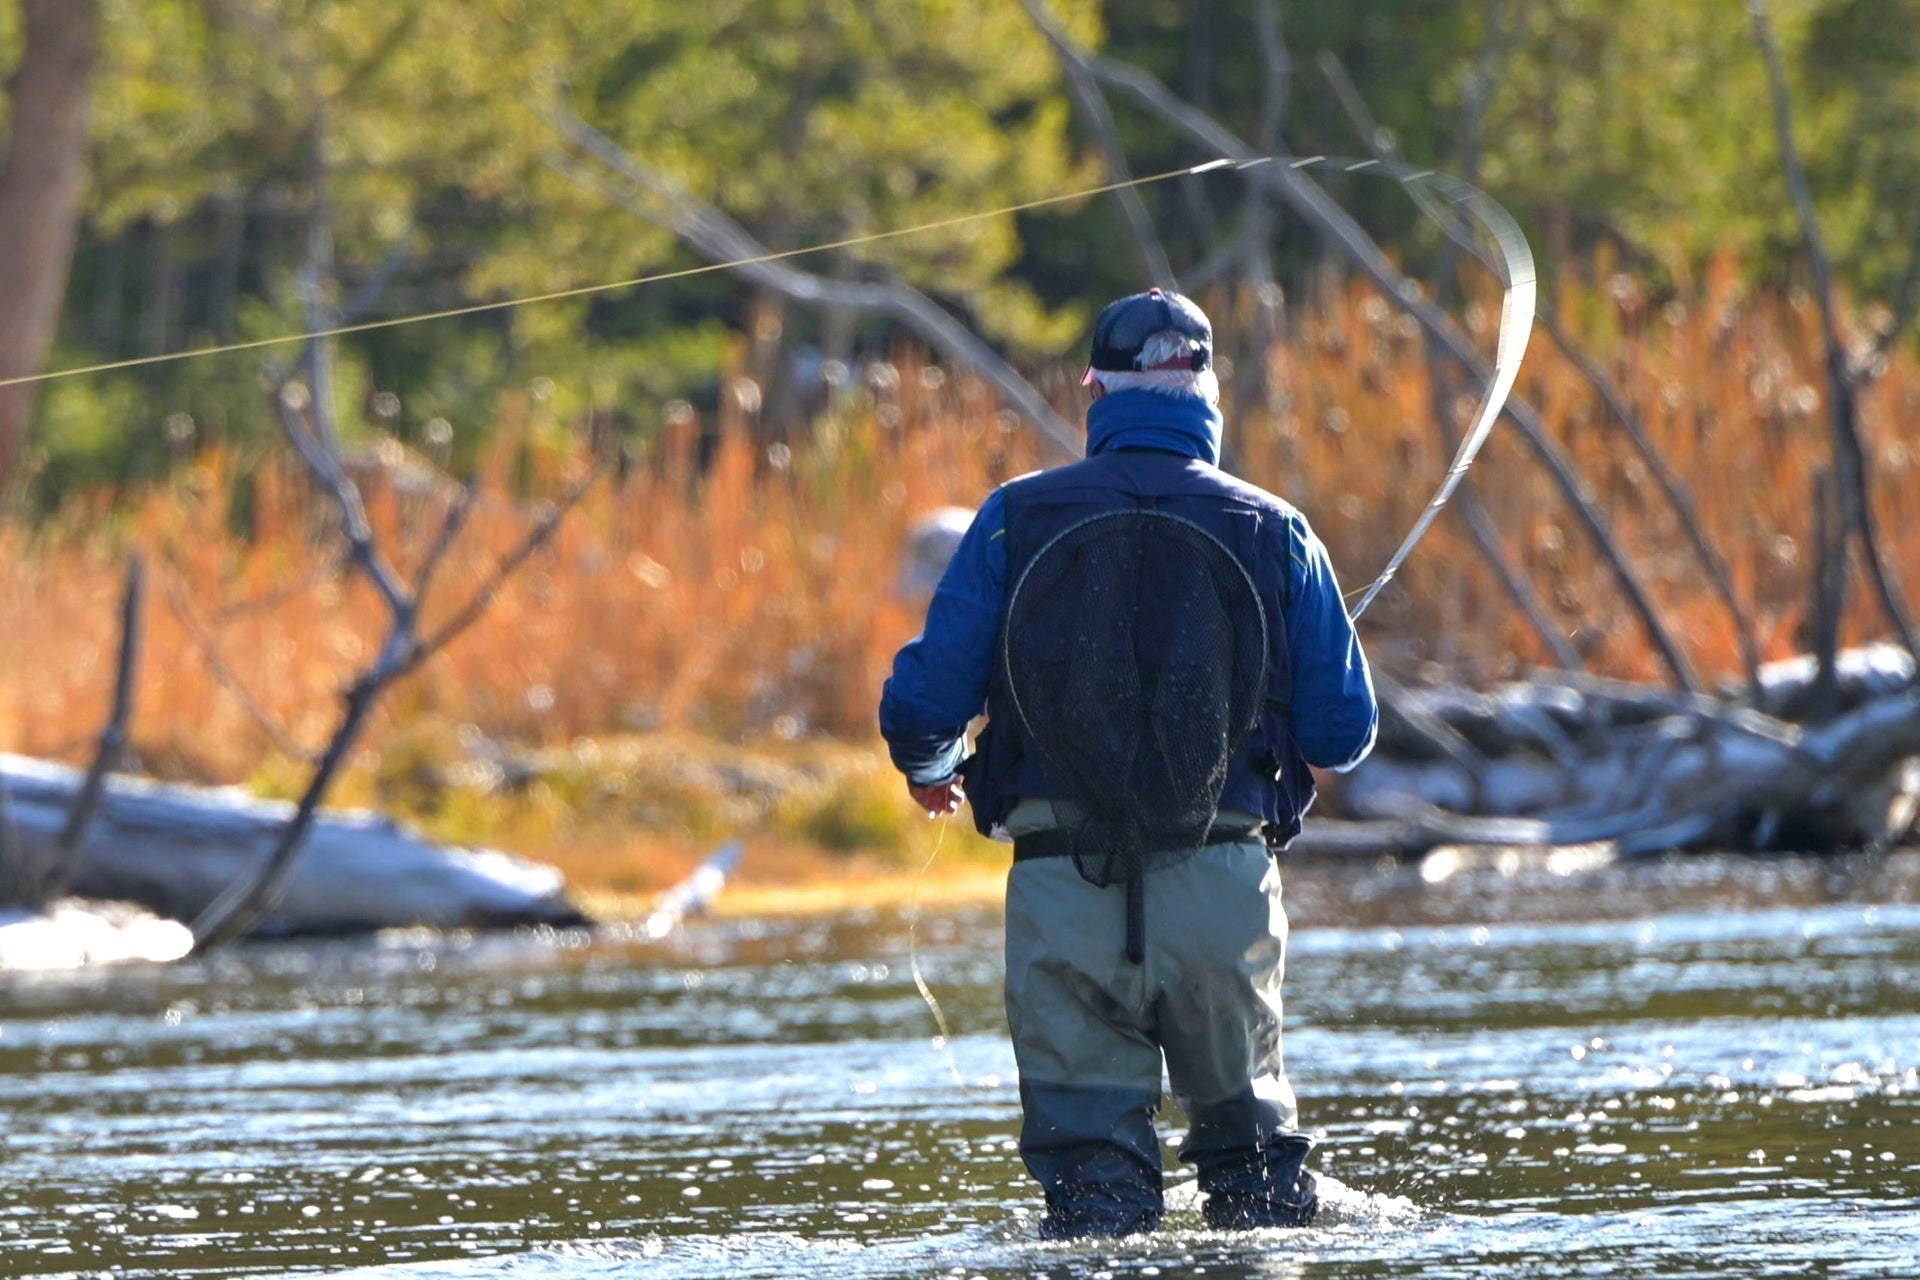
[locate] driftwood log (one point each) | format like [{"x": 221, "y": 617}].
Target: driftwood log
[
  {"x": 1571, "y": 761},
  {"x": 174, "y": 850}
]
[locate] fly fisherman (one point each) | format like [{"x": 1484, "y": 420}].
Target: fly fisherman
[{"x": 1161, "y": 650}]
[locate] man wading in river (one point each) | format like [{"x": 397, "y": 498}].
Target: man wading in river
[{"x": 1160, "y": 650}]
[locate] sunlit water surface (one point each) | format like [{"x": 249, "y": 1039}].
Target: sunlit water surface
[{"x": 1702, "y": 1068}]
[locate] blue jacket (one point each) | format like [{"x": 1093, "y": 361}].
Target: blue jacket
[{"x": 941, "y": 679}]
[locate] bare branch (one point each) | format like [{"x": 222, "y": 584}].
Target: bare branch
[
  {"x": 1906, "y": 304},
  {"x": 224, "y": 674},
  {"x": 1093, "y": 105},
  {"x": 1333, "y": 223},
  {"x": 113, "y": 740},
  {"x": 323, "y": 465},
  {"x": 380, "y": 281},
  {"x": 240, "y": 910},
  {"x": 1829, "y": 593},
  {"x": 1678, "y": 496},
  {"x": 1229, "y": 253},
  {"x": 1843, "y": 405},
  {"x": 1256, "y": 260},
  {"x": 1622, "y": 412},
  {"x": 1486, "y": 535},
  {"x": 651, "y": 195},
  {"x": 469, "y": 613},
  {"x": 450, "y": 527}
]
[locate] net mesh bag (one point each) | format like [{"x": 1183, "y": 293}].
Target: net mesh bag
[{"x": 1135, "y": 657}]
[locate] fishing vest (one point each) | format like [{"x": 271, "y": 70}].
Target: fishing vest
[{"x": 1267, "y": 776}]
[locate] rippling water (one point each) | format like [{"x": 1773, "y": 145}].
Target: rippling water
[{"x": 1702, "y": 1068}]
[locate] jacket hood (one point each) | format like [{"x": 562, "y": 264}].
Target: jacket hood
[{"x": 1171, "y": 423}]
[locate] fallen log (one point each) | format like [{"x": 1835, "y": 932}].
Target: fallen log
[
  {"x": 1575, "y": 761},
  {"x": 174, "y": 850}
]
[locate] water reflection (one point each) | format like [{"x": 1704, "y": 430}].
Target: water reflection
[{"x": 1702, "y": 1069}]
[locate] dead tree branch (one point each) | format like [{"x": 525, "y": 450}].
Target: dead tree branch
[
  {"x": 1256, "y": 262},
  {"x": 484, "y": 595},
  {"x": 1843, "y": 404},
  {"x": 1678, "y": 495},
  {"x": 1333, "y": 224},
  {"x": 653, "y": 196},
  {"x": 1906, "y": 305},
  {"x": 306, "y": 419},
  {"x": 1622, "y": 412},
  {"x": 224, "y": 674},
  {"x": 1093, "y": 106},
  {"x": 1473, "y": 512},
  {"x": 113, "y": 738},
  {"x": 34, "y": 879}
]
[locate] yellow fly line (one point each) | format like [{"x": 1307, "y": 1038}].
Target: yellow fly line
[
  {"x": 1444, "y": 197},
  {"x": 585, "y": 290}
]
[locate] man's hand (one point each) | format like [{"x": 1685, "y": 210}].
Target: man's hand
[{"x": 940, "y": 799}]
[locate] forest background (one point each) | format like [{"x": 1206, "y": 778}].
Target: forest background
[{"x": 698, "y": 651}]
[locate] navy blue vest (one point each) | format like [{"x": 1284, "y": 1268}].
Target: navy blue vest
[{"x": 1269, "y": 777}]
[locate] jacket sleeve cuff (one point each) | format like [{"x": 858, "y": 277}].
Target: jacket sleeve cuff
[{"x": 928, "y": 761}]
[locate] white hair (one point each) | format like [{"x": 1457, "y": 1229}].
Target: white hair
[
  {"x": 1168, "y": 382},
  {"x": 1160, "y": 348}
]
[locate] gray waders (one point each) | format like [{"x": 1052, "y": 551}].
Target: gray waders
[{"x": 1090, "y": 1027}]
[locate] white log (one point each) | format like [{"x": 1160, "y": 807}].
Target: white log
[{"x": 174, "y": 849}]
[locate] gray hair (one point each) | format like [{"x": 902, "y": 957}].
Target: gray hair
[
  {"x": 1168, "y": 382},
  {"x": 1168, "y": 344}
]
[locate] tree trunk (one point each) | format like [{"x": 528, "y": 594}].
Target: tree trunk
[{"x": 40, "y": 185}]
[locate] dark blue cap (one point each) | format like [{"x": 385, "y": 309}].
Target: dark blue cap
[{"x": 1124, "y": 327}]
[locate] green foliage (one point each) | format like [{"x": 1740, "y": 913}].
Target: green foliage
[
  {"x": 1861, "y": 68},
  {"x": 223, "y": 127}
]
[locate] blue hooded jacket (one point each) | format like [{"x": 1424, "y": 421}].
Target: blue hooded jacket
[{"x": 940, "y": 679}]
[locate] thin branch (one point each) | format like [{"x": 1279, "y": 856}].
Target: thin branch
[
  {"x": 323, "y": 464},
  {"x": 1228, "y": 253},
  {"x": 1486, "y": 535},
  {"x": 1334, "y": 224},
  {"x": 1093, "y": 105},
  {"x": 443, "y": 541},
  {"x": 1905, "y": 306},
  {"x": 1622, "y": 412},
  {"x": 1843, "y": 405},
  {"x": 113, "y": 740},
  {"x": 509, "y": 564},
  {"x": 1473, "y": 512},
  {"x": 369, "y": 293},
  {"x": 1678, "y": 496},
  {"x": 224, "y": 674},
  {"x": 241, "y": 908},
  {"x": 649, "y": 194},
  {"x": 1256, "y": 262}
]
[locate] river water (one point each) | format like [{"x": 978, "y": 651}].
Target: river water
[{"x": 1689, "y": 1069}]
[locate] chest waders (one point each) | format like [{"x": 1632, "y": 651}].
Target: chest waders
[{"x": 1135, "y": 657}]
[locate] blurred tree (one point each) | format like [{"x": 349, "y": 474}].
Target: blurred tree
[
  {"x": 41, "y": 177},
  {"x": 1629, "y": 123},
  {"x": 1861, "y": 79},
  {"x": 807, "y": 122}
]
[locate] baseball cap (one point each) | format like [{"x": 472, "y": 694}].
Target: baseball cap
[{"x": 1124, "y": 327}]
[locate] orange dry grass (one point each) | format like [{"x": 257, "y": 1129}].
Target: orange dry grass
[
  {"x": 744, "y": 599},
  {"x": 738, "y": 599}
]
